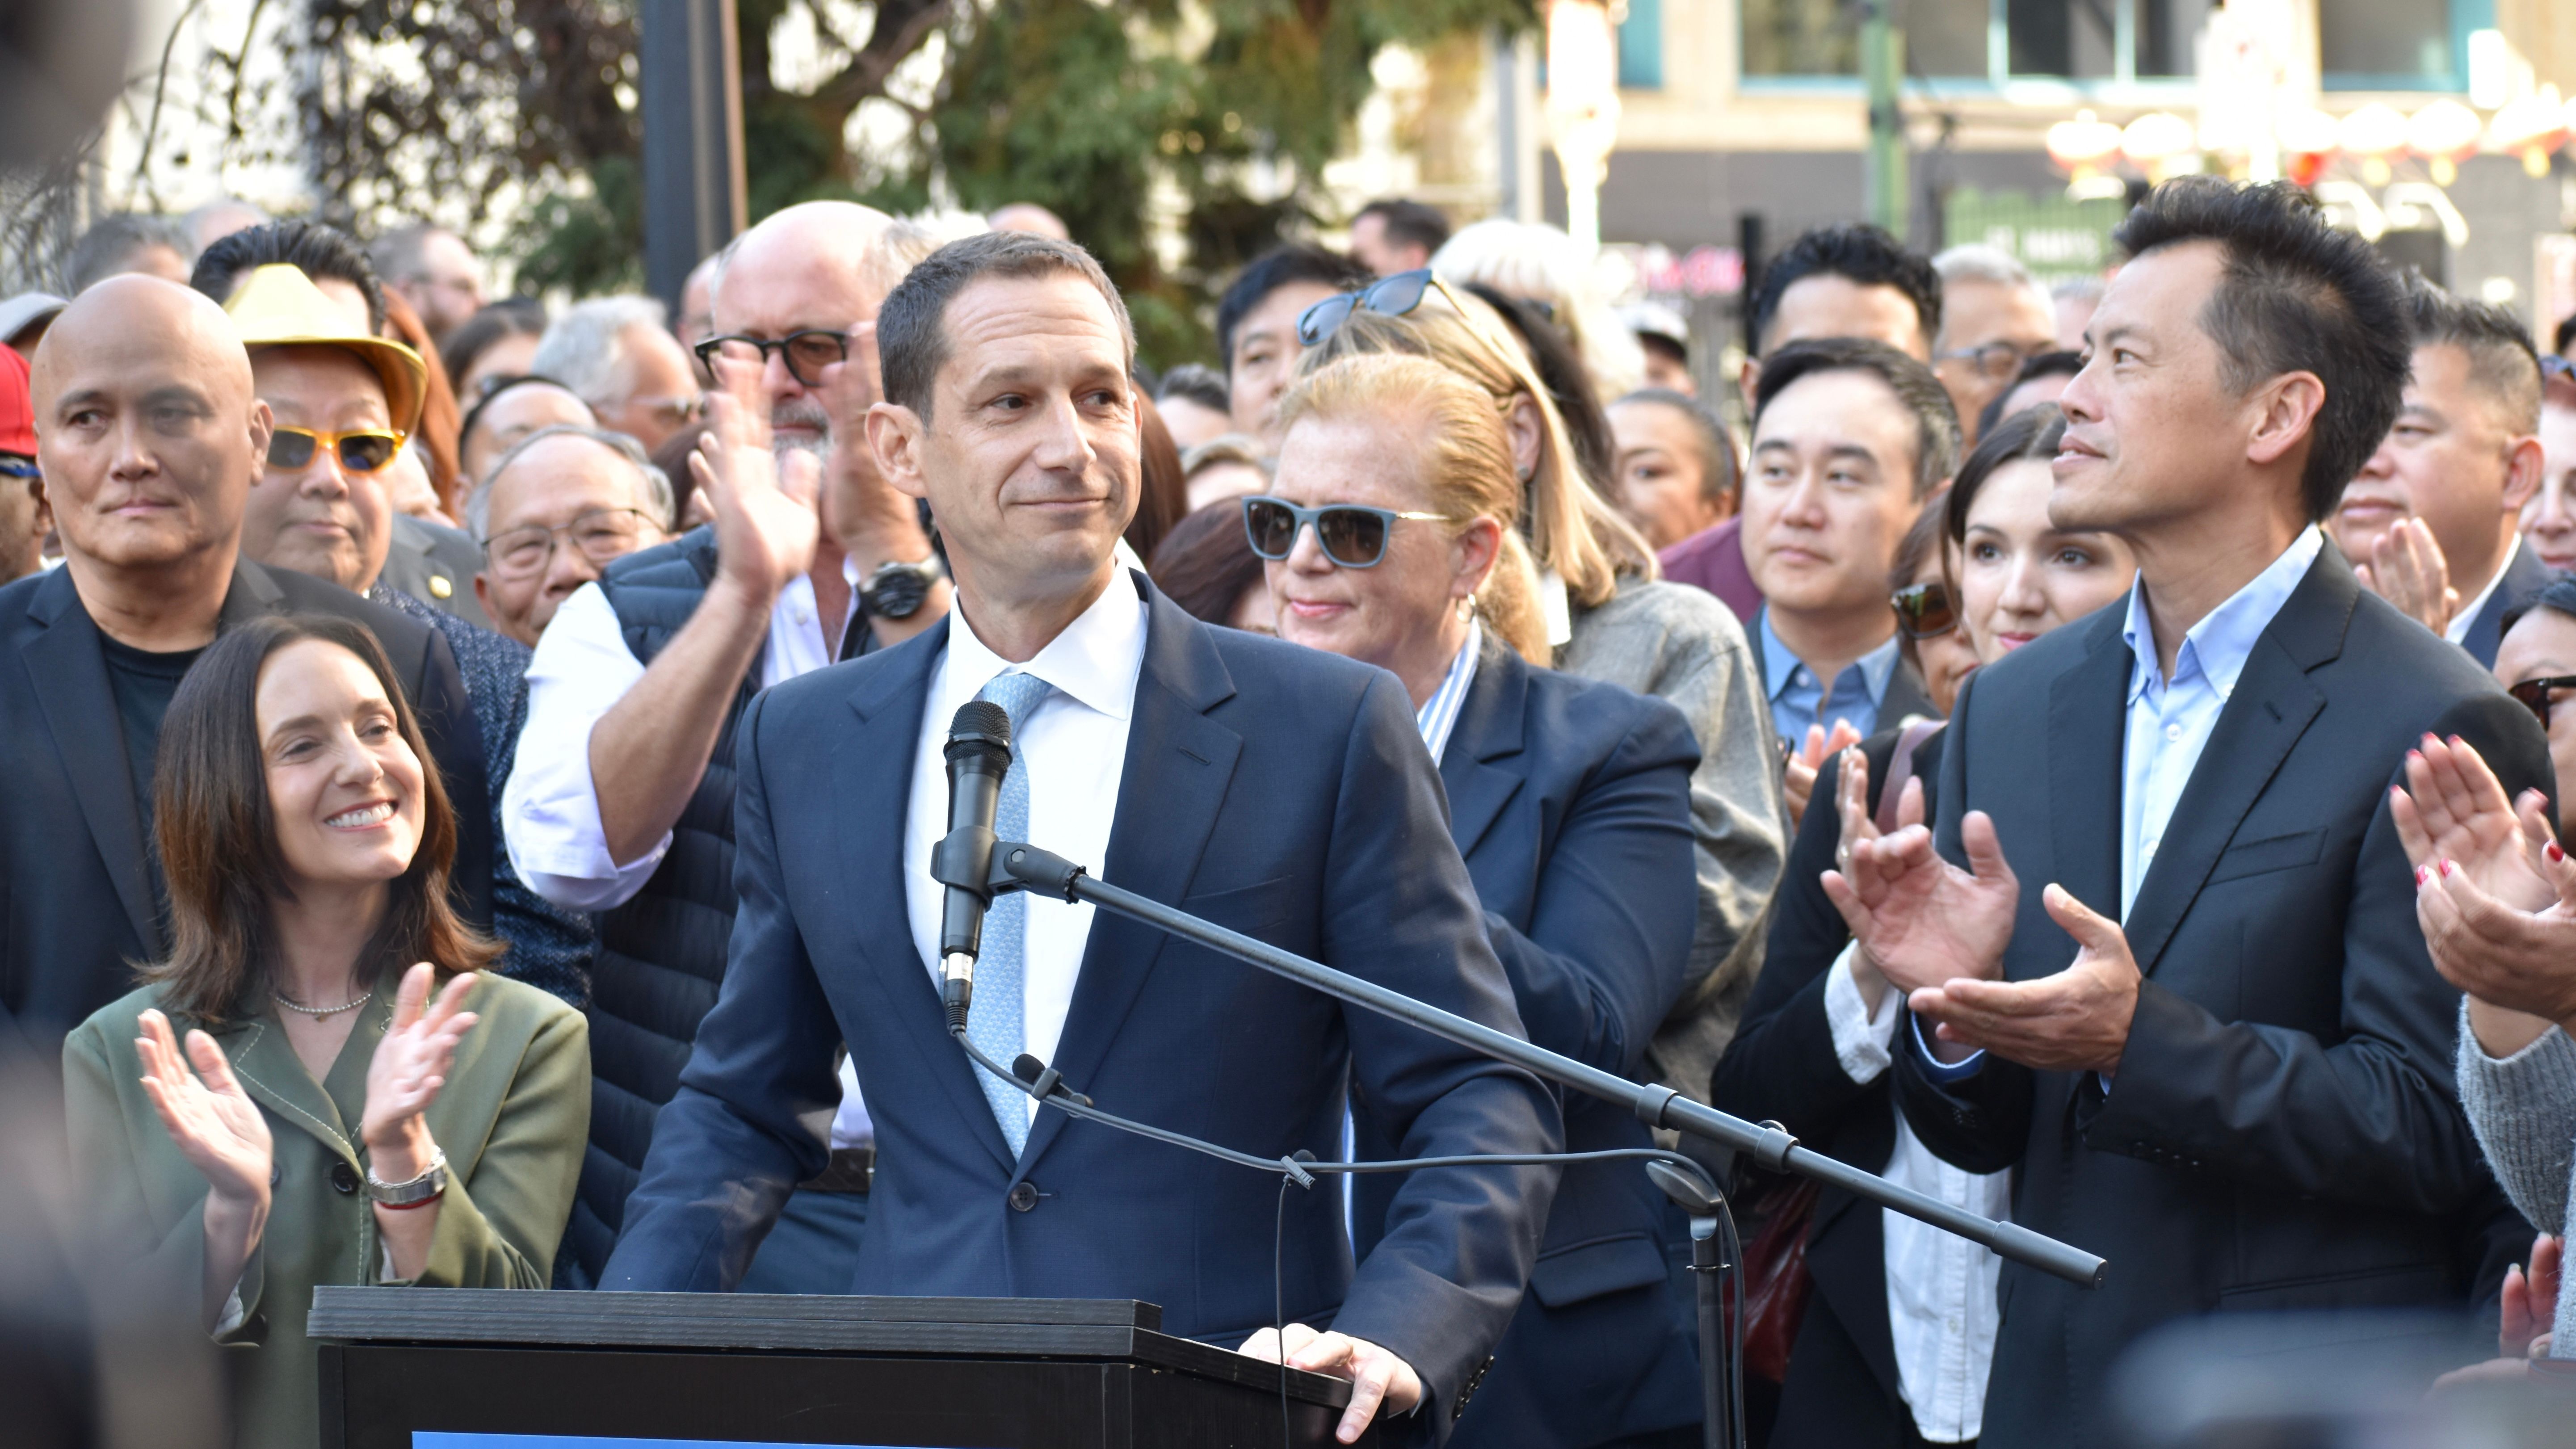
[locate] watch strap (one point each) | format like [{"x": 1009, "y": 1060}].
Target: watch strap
[{"x": 431, "y": 1182}]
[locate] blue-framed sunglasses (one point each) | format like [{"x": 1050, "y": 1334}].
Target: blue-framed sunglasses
[
  {"x": 1353, "y": 536},
  {"x": 1388, "y": 296}
]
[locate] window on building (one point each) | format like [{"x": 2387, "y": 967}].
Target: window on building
[
  {"x": 2376, "y": 45},
  {"x": 1990, "y": 40},
  {"x": 1641, "y": 46}
]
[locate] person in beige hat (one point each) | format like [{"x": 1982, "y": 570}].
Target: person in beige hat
[{"x": 343, "y": 402}]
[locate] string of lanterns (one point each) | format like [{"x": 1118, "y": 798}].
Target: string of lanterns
[{"x": 2375, "y": 139}]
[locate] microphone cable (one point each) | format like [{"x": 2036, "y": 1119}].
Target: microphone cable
[{"x": 1047, "y": 1087}]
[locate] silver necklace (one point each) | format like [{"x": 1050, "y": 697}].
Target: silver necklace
[{"x": 318, "y": 1011}]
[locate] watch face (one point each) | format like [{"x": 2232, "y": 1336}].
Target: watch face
[{"x": 898, "y": 595}]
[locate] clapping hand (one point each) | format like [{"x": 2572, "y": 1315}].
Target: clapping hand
[
  {"x": 2077, "y": 1020},
  {"x": 766, "y": 525},
  {"x": 1805, "y": 761},
  {"x": 1376, "y": 1375},
  {"x": 1922, "y": 920},
  {"x": 1851, "y": 804},
  {"x": 2523, "y": 1331},
  {"x": 215, "y": 1124},
  {"x": 410, "y": 1066},
  {"x": 2453, "y": 809},
  {"x": 2495, "y": 893},
  {"x": 2406, "y": 568}
]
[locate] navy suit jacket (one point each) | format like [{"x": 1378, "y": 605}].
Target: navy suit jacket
[
  {"x": 2282, "y": 1133},
  {"x": 2524, "y": 576},
  {"x": 1571, "y": 800},
  {"x": 1275, "y": 790}
]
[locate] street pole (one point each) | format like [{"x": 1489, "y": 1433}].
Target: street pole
[
  {"x": 1882, "y": 68},
  {"x": 692, "y": 107}
]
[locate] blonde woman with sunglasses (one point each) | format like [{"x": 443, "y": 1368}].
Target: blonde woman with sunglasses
[{"x": 1609, "y": 618}]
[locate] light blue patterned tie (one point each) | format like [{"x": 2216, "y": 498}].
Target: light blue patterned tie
[{"x": 997, "y": 1024}]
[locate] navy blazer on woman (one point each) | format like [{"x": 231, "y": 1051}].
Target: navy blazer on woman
[
  {"x": 1571, "y": 802},
  {"x": 1275, "y": 790}
]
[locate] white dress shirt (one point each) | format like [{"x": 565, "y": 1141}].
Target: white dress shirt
[
  {"x": 2457, "y": 631},
  {"x": 550, "y": 811},
  {"x": 582, "y": 668},
  {"x": 1074, "y": 747},
  {"x": 1941, "y": 1309}
]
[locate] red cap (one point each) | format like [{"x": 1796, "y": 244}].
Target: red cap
[{"x": 17, "y": 408}]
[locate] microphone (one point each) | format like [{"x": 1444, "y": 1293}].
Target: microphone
[{"x": 979, "y": 755}]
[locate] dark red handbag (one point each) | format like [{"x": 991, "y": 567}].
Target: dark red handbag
[{"x": 1775, "y": 1278}]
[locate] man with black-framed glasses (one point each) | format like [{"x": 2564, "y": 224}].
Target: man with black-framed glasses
[
  {"x": 1995, "y": 316},
  {"x": 620, "y": 801}
]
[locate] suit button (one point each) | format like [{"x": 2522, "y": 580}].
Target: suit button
[
  {"x": 344, "y": 1178},
  {"x": 1024, "y": 1196}
]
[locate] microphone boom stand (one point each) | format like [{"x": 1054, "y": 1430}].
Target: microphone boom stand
[{"x": 1020, "y": 866}]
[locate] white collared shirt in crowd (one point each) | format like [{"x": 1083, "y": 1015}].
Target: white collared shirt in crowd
[
  {"x": 582, "y": 668},
  {"x": 1439, "y": 714},
  {"x": 550, "y": 810},
  {"x": 2457, "y": 631},
  {"x": 1074, "y": 747},
  {"x": 1941, "y": 1309}
]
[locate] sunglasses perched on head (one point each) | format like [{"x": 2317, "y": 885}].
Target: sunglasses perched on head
[
  {"x": 1925, "y": 610},
  {"x": 1352, "y": 536},
  {"x": 2536, "y": 694},
  {"x": 1388, "y": 297},
  {"x": 360, "y": 450}
]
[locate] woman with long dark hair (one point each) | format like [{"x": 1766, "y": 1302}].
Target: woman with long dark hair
[{"x": 345, "y": 1121}]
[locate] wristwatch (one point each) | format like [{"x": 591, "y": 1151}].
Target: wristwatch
[
  {"x": 431, "y": 1182},
  {"x": 896, "y": 590}
]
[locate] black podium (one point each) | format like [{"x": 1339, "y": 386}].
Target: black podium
[{"x": 439, "y": 1368}]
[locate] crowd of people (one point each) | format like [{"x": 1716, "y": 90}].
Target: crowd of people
[{"x": 2086, "y": 755}]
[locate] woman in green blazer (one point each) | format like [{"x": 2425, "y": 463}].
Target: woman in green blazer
[{"x": 340, "y": 1125}]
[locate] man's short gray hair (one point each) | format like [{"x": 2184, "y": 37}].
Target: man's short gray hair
[
  {"x": 1977, "y": 262},
  {"x": 652, "y": 485},
  {"x": 585, "y": 348}
]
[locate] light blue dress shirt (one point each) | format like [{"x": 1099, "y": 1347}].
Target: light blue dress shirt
[
  {"x": 1799, "y": 700},
  {"x": 2170, "y": 720}
]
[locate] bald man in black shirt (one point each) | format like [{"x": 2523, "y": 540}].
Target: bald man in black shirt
[{"x": 149, "y": 435}]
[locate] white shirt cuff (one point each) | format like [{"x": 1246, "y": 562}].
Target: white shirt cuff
[{"x": 1861, "y": 1037}]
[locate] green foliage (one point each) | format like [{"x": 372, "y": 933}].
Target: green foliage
[{"x": 588, "y": 244}]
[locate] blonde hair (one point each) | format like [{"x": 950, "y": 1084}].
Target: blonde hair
[
  {"x": 1533, "y": 260},
  {"x": 1570, "y": 528},
  {"x": 1465, "y": 464}
]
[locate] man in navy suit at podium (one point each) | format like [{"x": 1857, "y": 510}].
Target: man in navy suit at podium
[{"x": 1282, "y": 792}]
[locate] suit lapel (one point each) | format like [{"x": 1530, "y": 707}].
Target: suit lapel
[
  {"x": 2272, "y": 706},
  {"x": 1179, "y": 763},
  {"x": 875, "y": 800},
  {"x": 2086, "y": 709},
  {"x": 66, "y": 663},
  {"x": 1488, "y": 729},
  {"x": 275, "y": 1077}
]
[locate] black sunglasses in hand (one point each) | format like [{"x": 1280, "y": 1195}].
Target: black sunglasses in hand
[{"x": 1353, "y": 536}]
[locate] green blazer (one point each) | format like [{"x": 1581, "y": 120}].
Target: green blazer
[{"x": 512, "y": 1119}]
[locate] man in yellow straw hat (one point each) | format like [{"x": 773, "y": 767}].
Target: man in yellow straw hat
[
  {"x": 344, "y": 402},
  {"x": 341, "y": 402}
]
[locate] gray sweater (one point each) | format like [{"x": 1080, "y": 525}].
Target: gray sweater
[
  {"x": 1683, "y": 646},
  {"x": 2524, "y": 1110}
]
